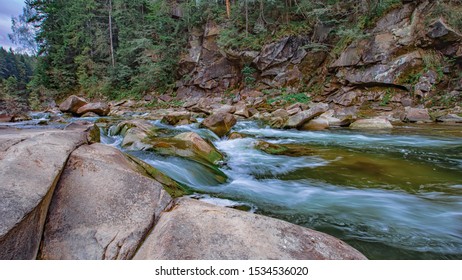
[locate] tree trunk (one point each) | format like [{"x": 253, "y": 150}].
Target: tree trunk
[
  {"x": 228, "y": 9},
  {"x": 110, "y": 34},
  {"x": 246, "y": 18}
]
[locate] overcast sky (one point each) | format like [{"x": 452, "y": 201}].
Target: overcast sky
[{"x": 8, "y": 8}]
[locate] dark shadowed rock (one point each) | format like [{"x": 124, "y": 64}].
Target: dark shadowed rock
[
  {"x": 102, "y": 208},
  {"x": 72, "y": 104},
  {"x": 197, "y": 230},
  {"x": 443, "y": 33},
  {"x": 220, "y": 123},
  {"x": 99, "y": 108},
  {"x": 30, "y": 165}
]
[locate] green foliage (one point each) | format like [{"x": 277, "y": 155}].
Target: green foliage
[
  {"x": 247, "y": 73},
  {"x": 289, "y": 98},
  {"x": 386, "y": 97}
]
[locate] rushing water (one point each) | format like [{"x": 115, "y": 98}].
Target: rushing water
[{"x": 392, "y": 195}]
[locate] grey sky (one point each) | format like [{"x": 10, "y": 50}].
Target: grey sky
[{"x": 8, "y": 8}]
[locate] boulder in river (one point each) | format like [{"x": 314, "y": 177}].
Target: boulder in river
[
  {"x": 177, "y": 118},
  {"x": 99, "y": 108},
  {"x": 374, "y": 123},
  {"x": 320, "y": 123},
  {"x": 299, "y": 119},
  {"x": 196, "y": 230},
  {"x": 103, "y": 207},
  {"x": 72, "y": 104},
  {"x": 220, "y": 123},
  {"x": 200, "y": 147},
  {"x": 31, "y": 162}
]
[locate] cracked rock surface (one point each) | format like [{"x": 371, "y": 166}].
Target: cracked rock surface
[
  {"x": 103, "y": 207},
  {"x": 30, "y": 164}
]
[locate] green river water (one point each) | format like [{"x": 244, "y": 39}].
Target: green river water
[{"x": 393, "y": 194}]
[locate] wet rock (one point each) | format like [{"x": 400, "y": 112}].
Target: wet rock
[
  {"x": 103, "y": 207},
  {"x": 301, "y": 118},
  {"x": 450, "y": 118},
  {"x": 172, "y": 187},
  {"x": 134, "y": 140},
  {"x": 134, "y": 132},
  {"x": 375, "y": 123},
  {"x": 89, "y": 115},
  {"x": 123, "y": 127},
  {"x": 219, "y": 123},
  {"x": 175, "y": 118},
  {"x": 72, "y": 104},
  {"x": 30, "y": 166},
  {"x": 200, "y": 147},
  {"x": 416, "y": 115},
  {"x": 316, "y": 124},
  {"x": 197, "y": 230},
  {"x": 291, "y": 150},
  {"x": 99, "y": 108},
  {"x": 235, "y": 135}
]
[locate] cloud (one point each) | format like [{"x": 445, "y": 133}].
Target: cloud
[{"x": 8, "y": 9}]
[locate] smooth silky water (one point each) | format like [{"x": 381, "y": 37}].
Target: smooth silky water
[{"x": 391, "y": 194}]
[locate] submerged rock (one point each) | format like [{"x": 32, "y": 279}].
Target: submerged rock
[
  {"x": 198, "y": 230},
  {"x": 30, "y": 165},
  {"x": 102, "y": 208},
  {"x": 219, "y": 123},
  {"x": 283, "y": 149},
  {"x": 375, "y": 123}
]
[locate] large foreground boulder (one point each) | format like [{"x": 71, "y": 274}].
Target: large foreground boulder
[
  {"x": 197, "y": 230},
  {"x": 102, "y": 208},
  {"x": 220, "y": 123},
  {"x": 31, "y": 162},
  {"x": 72, "y": 104}
]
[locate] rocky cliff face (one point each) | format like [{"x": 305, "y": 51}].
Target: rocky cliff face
[{"x": 410, "y": 58}]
